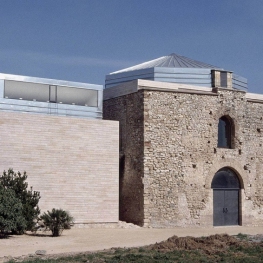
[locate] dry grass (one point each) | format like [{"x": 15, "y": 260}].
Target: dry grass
[{"x": 215, "y": 248}]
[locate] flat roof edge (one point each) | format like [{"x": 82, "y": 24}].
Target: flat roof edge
[
  {"x": 170, "y": 86},
  {"x": 254, "y": 97},
  {"x": 140, "y": 84},
  {"x": 12, "y": 77}
]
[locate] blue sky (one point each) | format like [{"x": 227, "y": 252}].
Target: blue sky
[{"x": 83, "y": 40}]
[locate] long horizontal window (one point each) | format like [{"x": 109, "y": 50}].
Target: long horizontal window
[
  {"x": 26, "y": 91},
  {"x": 83, "y": 97},
  {"x": 50, "y": 93}
]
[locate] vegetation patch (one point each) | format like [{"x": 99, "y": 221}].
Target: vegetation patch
[
  {"x": 57, "y": 220},
  {"x": 215, "y": 248},
  {"x": 18, "y": 205}
]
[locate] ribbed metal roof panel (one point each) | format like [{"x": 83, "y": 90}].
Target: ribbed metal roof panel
[
  {"x": 171, "y": 61},
  {"x": 173, "y": 68}
]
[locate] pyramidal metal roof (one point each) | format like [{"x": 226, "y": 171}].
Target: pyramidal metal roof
[{"x": 171, "y": 61}]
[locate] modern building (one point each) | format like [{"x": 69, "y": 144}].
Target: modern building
[
  {"x": 180, "y": 144},
  {"x": 190, "y": 144},
  {"x": 54, "y": 131}
]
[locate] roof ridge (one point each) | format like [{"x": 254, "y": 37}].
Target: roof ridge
[{"x": 171, "y": 61}]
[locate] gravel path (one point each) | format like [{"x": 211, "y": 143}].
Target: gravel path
[{"x": 92, "y": 239}]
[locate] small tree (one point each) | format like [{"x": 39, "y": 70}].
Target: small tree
[
  {"x": 29, "y": 199},
  {"x": 57, "y": 220},
  {"x": 11, "y": 212}
]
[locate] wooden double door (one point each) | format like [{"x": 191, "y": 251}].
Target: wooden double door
[{"x": 226, "y": 196}]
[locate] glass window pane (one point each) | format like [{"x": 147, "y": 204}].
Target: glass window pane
[
  {"x": 26, "y": 91},
  {"x": 224, "y": 133},
  {"x": 77, "y": 96}
]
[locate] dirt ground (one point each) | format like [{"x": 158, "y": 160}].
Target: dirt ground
[
  {"x": 93, "y": 239},
  {"x": 210, "y": 245}
]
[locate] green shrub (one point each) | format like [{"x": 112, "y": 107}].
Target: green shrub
[
  {"x": 29, "y": 199},
  {"x": 11, "y": 212},
  {"x": 57, "y": 220}
]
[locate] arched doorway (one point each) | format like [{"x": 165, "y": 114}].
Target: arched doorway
[{"x": 226, "y": 191}]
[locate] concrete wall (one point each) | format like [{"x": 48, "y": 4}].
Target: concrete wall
[
  {"x": 181, "y": 155},
  {"x": 73, "y": 162}
]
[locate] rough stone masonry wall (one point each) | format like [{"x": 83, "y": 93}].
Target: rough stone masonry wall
[
  {"x": 253, "y": 142},
  {"x": 73, "y": 162},
  {"x": 128, "y": 110},
  {"x": 178, "y": 136},
  {"x": 181, "y": 156}
]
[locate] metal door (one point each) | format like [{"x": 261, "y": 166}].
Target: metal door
[
  {"x": 219, "y": 204},
  {"x": 226, "y": 207},
  {"x": 231, "y": 213},
  {"x": 225, "y": 187}
]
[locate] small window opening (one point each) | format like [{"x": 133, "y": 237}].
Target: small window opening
[
  {"x": 225, "y": 132},
  {"x": 53, "y": 93},
  {"x": 223, "y": 79}
]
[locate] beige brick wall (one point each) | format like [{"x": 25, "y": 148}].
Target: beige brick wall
[{"x": 73, "y": 162}]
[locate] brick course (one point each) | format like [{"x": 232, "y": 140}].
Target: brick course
[{"x": 73, "y": 162}]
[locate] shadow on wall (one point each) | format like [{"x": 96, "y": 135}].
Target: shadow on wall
[{"x": 131, "y": 192}]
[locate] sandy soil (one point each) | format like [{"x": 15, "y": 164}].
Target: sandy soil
[{"x": 92, "y": 239}]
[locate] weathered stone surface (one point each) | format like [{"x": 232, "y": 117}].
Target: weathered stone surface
[
  {"x": 170, "y": 154},
  {"x": 129, "y": 113}
]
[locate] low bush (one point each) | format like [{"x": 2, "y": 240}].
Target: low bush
[
  {"x": 11, "y": 212},
  {"x": 28, "y": 198},
  {"x": 57, "y": 220}
]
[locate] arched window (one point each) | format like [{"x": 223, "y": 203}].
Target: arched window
[{"x": 225, "y": 132}]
